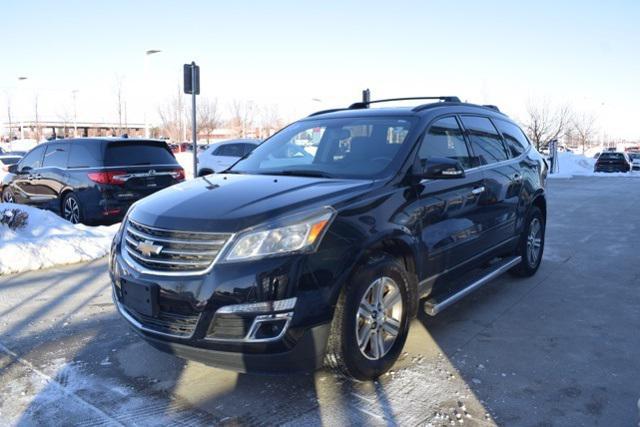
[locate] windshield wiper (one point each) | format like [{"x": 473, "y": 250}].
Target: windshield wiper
[{"x": 300, "y": 172}]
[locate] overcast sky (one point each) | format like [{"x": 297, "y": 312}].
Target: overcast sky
[{"x": 586, "y": 53}]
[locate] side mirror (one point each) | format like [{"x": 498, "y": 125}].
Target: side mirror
[
  {"x": 439, "y": 168},
  {"x": 25, "y": 169},
  {"x": 13, "y": 168}
]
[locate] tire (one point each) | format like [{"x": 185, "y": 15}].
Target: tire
[
  {"x": 530, "y": 261},
  {"x": 72, "y": 209},
  {"x": 352, "y": 320},
  {"x": 7, "y": 196}
]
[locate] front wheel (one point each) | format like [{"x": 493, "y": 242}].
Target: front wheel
[
  {"x": 7, "y": 196},
  {"x": 371, "y": 320},
  {"x": 531, "y": 245}
]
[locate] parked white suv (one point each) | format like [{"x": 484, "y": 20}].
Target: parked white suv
[{"x": 220, "y": 156}]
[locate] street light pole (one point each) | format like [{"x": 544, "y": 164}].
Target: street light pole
[
  {"x": 75, "y": 114},
  {"x": 146, "y": 83},
  {"x": 21, "y": 79}
]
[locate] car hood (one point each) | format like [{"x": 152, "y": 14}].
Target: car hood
[{"x": 231, "y": 202}]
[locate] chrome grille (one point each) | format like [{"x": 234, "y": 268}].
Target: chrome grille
[{"x": 171, "y": 251}]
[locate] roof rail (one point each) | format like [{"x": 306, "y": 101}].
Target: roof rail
[
  {"x": 493, "y": 107},
  {"x": 365, "y": 104},
  {"x": 358, "y": 105},
  {"x": 331, "y": 110}
]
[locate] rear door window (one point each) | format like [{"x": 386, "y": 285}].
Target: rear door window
[
  {"x": 138, "y": 153},
  {"x": 85, "y": 154},
  {"x": 33, "y": 159},
  {"x": 485, "y": 141},
  {"x": 516, "y": 142},
  {"x": 445, "y": 139},
  {"x": 56, "y": 155},
  {"x": 230, "y": 150}
]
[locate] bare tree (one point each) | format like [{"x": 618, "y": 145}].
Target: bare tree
[
  {"x": 270, "y": 120},
  {"x": 544, "y": 124},
  {"x": 208, "y": 116},
  {"x": 584, "y": 129},
  {"x": 172, "y": 117},
  {"x": 242, "y": 117}
]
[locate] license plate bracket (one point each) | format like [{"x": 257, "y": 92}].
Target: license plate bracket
[{"x": 140, "y": 297}]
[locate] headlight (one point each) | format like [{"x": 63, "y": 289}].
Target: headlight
[{"x": 300, "y": 233}]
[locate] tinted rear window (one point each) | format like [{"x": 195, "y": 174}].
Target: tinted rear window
[
  {"x": 85, "y": 154},
  {"x": 612, "y": 156},
  {"x": 138, "y": 153}
]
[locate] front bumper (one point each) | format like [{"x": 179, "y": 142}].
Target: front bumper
[{"x": 299, "y": 347}]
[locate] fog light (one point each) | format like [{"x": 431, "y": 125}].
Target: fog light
[{"x": 270, "y": 329}]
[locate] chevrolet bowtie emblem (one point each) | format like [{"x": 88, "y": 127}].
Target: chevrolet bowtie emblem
[{"x": 147, "y": 248}]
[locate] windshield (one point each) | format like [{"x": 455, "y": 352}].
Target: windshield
[{"x": 358, "y": 147}]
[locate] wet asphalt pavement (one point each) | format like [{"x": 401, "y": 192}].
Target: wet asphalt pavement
[{"x": 560, "y": 348}]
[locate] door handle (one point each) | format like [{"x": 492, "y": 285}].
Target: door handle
[{"x": 477, "y": 190}]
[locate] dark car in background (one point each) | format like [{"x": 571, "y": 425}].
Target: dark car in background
[
  {"x": 91, "y": 180},
  {"x": 612, "y": 161},
  {"x": 288, "y": 259}
]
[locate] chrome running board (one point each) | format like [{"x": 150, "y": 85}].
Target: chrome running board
[{"x": 432, "y": 306}]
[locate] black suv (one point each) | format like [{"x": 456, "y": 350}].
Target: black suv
[
  {"x": 323, "y": 242},
  {"x": 611, "y": 161},
  {"x": 91, "y": 180}
]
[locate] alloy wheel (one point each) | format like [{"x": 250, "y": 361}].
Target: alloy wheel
[
  {"x": 7, "y": 196},
  {"x": 378, "y": 318},
  {"x": 71, "y": 210},
  {"x": 534, "y": 241}
]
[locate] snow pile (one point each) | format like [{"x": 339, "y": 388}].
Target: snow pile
[
  {"x": 185, "y": 159},
  {"x": 571, "y": 164},
  {"x": 48, "y": 240}
]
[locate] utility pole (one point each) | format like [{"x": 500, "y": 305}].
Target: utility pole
[{"x": 75, "y": 113}]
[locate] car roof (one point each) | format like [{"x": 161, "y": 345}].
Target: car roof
[
  {"x": 423, "y": 110},
  {"x": 101, "y": 139}
]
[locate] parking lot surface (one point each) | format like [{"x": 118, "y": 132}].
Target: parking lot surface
[{"x": 560, "y": 348}]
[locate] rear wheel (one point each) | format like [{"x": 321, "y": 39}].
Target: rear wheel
[
  {"x": 531, "y": 245},
  {"x": 370, "y": 323},
  {"x": 71, "y": 209},
  {"x": 7, "y": 196}
]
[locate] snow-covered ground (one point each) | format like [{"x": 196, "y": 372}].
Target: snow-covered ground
[
  {"x": 571, "y": 164},
  {"x": 48, "y": 240}
]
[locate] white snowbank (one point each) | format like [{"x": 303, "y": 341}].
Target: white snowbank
[
  {"x": 571, "y": 164},
  {"x": 185, "y": 159},
  {"x": 49, "y": 240}
]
